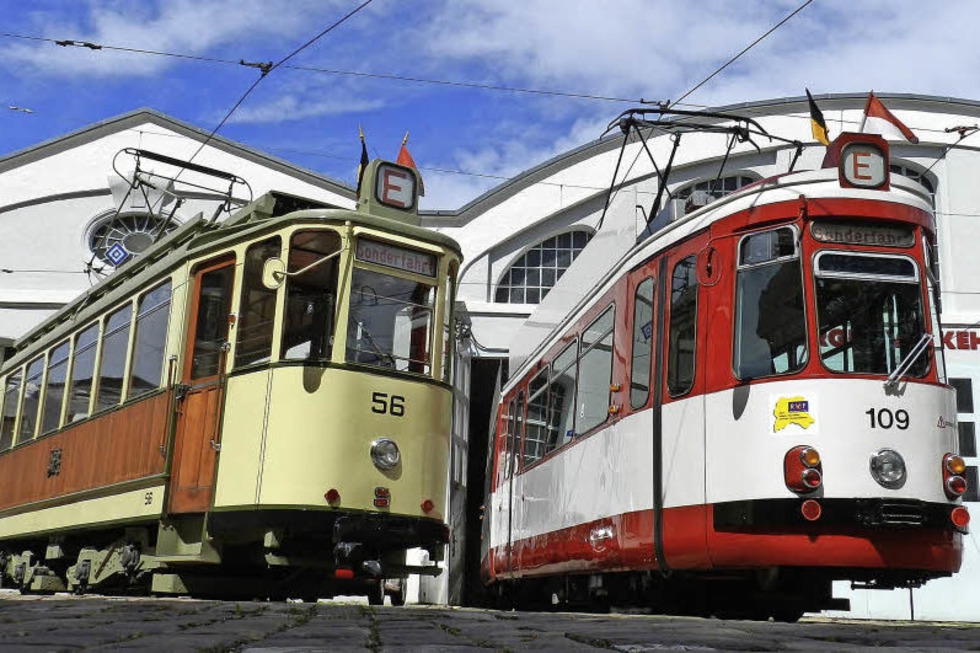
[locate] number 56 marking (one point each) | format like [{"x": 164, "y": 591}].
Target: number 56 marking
[{"x": 383, "y": 404}]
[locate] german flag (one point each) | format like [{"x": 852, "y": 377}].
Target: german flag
[
  {"x": 817, "y": 124},
  {"x": 364, "y": 160}
]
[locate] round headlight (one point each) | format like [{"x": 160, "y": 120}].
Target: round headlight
[
  {"x": 888, "y": 468},
  {"x": 384, "y": 453}
]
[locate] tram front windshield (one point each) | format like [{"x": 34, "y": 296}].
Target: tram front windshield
[
  {"x": 390, "y": 321},
  {"x": 869, "y": 312}
]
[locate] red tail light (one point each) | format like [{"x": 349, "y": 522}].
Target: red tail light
[
  {"x": 811, "y": 510},
  {"x": 332, "y": 496},
  {"x": 960, "y": 517},
  {"x": 802, "y": 469},
  {"x": 428, "y": 506},
  {"x": 956, "y": 485}
]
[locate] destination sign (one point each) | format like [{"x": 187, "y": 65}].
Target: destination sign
[
  {"x": 845, "y": 233},
  {"x": 399, "y": 258}
]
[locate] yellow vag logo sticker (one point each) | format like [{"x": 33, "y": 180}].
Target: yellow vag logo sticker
[{"x": 791, "y": 410}]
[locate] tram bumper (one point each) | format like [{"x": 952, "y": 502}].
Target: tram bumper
[
  {"x": 360, "y": 541},
  {"x": 768, "y": 514}
]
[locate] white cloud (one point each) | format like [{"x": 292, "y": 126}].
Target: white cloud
[
  {"x": 191, "y": 27},
  {"x": 291, "y": 108}
]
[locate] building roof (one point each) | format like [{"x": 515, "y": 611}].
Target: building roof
[
  {"x": 142, "y": 116},
  {"x": 830, "y": 101}
]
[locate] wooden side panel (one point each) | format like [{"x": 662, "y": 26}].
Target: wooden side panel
[
  {"x": 127, "y": 444},
  {"x": 192, "y": 480}
]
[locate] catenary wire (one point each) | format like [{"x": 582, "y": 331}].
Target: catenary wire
[
  {"x": 328, "y": 71},
  {"x": 744, "y": 50},
  {"x": 266, "y": 71}
]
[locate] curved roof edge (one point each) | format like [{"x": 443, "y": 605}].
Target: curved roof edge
[
  {"x": 121, "y": 122},
  {"x": 519, "y": 182}
]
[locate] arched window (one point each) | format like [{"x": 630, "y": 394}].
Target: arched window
[
  {"x": 531, "y": 276},
  {"x": 704, "y": 192},
  {"x": 115, "y": 238}
]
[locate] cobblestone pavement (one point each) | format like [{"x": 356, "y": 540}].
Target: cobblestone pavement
[{"x": 66, "y": 623}]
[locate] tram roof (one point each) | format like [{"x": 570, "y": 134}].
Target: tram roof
[
  {"x": 273, "y": 210},
  {"x": 816, "y": 185}
]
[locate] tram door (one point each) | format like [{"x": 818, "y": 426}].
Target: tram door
[{"x": 196, "y": 443}]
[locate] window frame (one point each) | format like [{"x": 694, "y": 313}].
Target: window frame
[
  {"x": 916, "y": 280},
  {"x": 505, "y": 282},
  {"x": 560, "y": 437},
  {"x": 93, "y": 378},
  {"x": 651, "y": 280},
  {"x": 584, "y": 351},
  {"x": 104, "y": 334},
  {"x": 669, "y": 367},
  {"x": 797, "y": 255},
  {"x": 44, "y": 414},
  {"x": 139, "y": 318}
]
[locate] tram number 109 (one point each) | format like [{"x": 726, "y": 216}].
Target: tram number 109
[
  {"x": 883, "y": 418},
  {"x": 385, "y": 404}
]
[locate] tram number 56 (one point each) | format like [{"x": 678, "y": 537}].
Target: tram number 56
[
  {"x": 883, "y": 418},
  {"x": 385, "y": 404}
]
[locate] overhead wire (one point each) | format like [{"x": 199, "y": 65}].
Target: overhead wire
[
  {"x": 687, "y": 94},
  {"x": 266, "y": 70},
  {"x": 744, "y": 50},
  {"x": 268, "y": 67}
]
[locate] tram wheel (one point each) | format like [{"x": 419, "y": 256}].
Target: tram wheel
[
  {"x": 397, "y": 591},
  {"x": 787, "y": 615},
  {"x": 376, "y": 593}
]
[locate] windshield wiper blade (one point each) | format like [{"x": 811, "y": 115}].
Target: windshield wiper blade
[{"x": 904, "y": 366}]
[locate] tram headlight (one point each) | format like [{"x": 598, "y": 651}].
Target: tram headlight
[
  {"x": 385, "y": 454},
  {"x": 888, "y": 469}
]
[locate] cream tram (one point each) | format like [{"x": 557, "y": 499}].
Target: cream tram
[
  {"x": 750, "y": 405},
  {"x": 256, "y": 407}
]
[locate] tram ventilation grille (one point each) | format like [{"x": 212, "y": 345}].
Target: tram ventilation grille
[{"x": 902, "y": 513}]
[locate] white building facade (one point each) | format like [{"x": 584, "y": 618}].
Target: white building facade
[{"x": 531, "y": 246}]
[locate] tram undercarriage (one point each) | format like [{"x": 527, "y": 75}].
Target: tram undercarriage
[
  {"x": 242, "y": 555},
  {"x": 783, "y": 594}
]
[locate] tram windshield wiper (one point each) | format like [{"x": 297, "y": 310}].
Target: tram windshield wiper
[{"x": 904, "y": 366}]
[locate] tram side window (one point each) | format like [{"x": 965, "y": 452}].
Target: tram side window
[
  {"x": 642, "y": 341},
  {"x": 508, "y": 444},
  {"x": 152, "y": 318},
  {"x": 683, "y": 321},
  {"x": 310, "y": 296},
  {"x": 536, "y": 424},
  {"x": 518, "y": 431},
  {"x": 82, "y": 371},
  {"x": 54, "y": 388},
  {"x": 32, "y": 397},
  {"x": 257, "y": 312},
  {"x": 869, "y": 312},
  {"x": 211, "y": 329},
  {"x": 595, "y": 372},
  {"x": 561, "y": 422},
  {"x": 770, "y": 323},
  {"x": 115, "y": 339},
  {"x": 11, "y": 394},
  {"x": 448, "y": 332}
]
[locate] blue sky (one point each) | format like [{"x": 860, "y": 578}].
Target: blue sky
[{"x": 652, "y": 49}]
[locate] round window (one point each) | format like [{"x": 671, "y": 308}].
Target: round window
[{"x": 115, "y": 238}]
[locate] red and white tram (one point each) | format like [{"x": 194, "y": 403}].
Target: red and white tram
[{"x": 750, "y": 405}]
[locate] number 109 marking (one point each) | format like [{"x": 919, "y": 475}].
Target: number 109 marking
[{"x": 883, "y": 418}]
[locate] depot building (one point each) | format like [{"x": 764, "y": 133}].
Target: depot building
[{"x": 531, "y": 246}]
